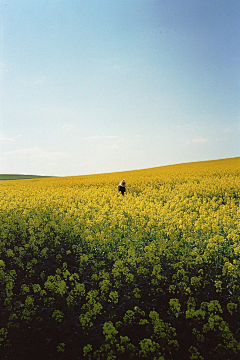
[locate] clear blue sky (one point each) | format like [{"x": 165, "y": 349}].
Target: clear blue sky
[{"x": 90, "y": 86}]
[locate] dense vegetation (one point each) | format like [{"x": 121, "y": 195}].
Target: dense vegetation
[{"x": 89, "y": 274}]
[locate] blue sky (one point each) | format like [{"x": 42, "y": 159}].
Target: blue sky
[{"x": 90, "y": 86}]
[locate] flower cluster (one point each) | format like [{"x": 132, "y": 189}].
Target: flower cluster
[{"x": 86, "y": 273}]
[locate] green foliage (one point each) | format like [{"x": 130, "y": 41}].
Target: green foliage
[{"x": 154, "y": 276}]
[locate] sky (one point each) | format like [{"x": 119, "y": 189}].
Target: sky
[{"x": 90, "y": 86}]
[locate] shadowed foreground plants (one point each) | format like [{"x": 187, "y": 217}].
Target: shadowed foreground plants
[{"x": 154, "y": 275}]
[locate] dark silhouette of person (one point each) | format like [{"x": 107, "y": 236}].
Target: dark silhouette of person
[{"x": 122, "y": 187}]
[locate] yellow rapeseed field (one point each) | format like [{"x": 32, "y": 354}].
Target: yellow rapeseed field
[{"x": 86, "y": 273}]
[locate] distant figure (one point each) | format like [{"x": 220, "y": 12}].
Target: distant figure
[{"x": 122, "y": 187}]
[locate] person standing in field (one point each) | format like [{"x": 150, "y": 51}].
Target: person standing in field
[{"x": 122, "y": 187}]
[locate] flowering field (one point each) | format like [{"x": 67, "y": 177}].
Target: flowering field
[{"x": 89, "y": 274}]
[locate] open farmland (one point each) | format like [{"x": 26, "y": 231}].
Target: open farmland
[
  {"x": 19, "y": 176},
  {"x": 89, "y": 274}
]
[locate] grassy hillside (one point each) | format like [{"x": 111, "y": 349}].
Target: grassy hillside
[{"x": 19, "y": 176}]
